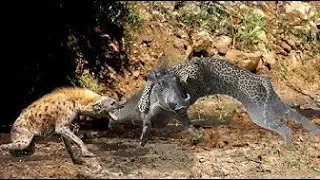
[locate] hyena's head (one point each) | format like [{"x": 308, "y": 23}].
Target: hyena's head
[{"x": 106, "y": 104}]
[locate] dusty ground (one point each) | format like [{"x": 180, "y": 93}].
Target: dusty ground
[
  {"x": 237, "y": 149},
  {"x": 233, "y": 146}
]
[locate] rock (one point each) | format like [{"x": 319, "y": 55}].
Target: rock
[
  {"x": 243, "y": 7},
  {"x": 136, "y": 73},
  {"x": 212, "y": 51},
  {"x": 248, "y": 61},
  {"x": 262, "y": 35},
  {"x": 222, "y": 43},
  {"x": 299, "y": 9},
  {"x": 291, "y": 62},
  {"x": 285, "y": 46},
  {"x": 314, "y": 29},
  {"x": 201, "y": 160},
  {"x": 179, "y": 33},
  {"x": 225, "y": 171},
  {"x": 135, "y": 51},
  {"x": 269, "y": 57},
  {"x": 266, "y": 168},
  {"x": 191, "y": 7},
  {"x": 283, "y": 52},
  {"x": 146, "y": 42},
  {"x": 307, "y": 46},
  {"x": 188, "y": 52},
  {"x": 291, "y": 42},
  {"x": 277, "y": 49},
  {"x": 222, "y": 51},
  {"x": 203, "y": 42},
  {"x": 263, "y": 70}
]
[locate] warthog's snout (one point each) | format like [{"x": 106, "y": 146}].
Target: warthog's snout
[
  {"x": 179, "y": 105},
  {"x": 118, "y": 104}
]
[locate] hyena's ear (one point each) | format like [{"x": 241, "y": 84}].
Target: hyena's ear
[{"x": 123, "y": 100}]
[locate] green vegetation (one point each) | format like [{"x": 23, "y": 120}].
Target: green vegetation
[
  {"x": 134, "y": 17},
  {"x": 213, "y": 18},
  {"x": 296, "y": 162},
  {"x": 72, "y": 42},
  {"x": 250, "y": 30},
  {"x": 219, "y": 20},
  {"x": 88, "y": 80}
]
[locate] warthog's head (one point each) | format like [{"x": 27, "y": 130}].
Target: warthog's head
[{"x": 167, "y": 91}]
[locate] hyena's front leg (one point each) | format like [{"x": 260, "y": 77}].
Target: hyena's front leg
[
  {"x": 62, "y": 128},
  {"x": 68, "y": 146},
  {"x": 67, "y": 133}
]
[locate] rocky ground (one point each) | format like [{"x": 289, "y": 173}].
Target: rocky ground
[
  {"x": 277, "y": 39},
  {"x": 238, "y": 149}
]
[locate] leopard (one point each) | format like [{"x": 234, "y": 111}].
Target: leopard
[{"x": 203, "y": 76}]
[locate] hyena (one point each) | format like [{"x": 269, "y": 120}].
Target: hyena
[{"x": 53, "y": 113}]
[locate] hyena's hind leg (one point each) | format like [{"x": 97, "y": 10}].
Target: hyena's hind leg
[
  {"x": 20, "y": 141},
  {"x": 25, "y": 152}
]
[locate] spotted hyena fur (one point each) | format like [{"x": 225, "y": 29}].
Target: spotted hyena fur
[{"x": 54, "y": 113}]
